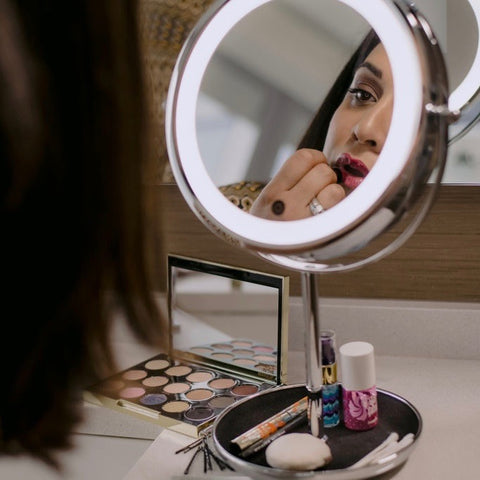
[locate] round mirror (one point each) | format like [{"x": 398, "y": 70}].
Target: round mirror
[{"x": 259, "y": 83}]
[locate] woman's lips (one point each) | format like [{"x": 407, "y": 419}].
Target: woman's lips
[{"x": 351, "y": 170}]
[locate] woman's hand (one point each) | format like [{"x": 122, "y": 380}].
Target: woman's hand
[{"x": 304, "y": 176}]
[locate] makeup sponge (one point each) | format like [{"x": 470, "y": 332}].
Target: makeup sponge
[{"x": 298, "y": 451}]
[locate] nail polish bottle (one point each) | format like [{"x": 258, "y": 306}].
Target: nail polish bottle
[
  {"x": 330, "y": 389},
  {"x": 359, "y": 392}
]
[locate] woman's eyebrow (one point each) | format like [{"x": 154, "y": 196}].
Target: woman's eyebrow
[{"x": 377, "y": 72}]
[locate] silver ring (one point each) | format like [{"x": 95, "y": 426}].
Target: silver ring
[{"x": 315, "y": 207}]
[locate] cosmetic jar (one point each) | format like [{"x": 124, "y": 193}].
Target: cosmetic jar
[{"x": 359, "y": 392}]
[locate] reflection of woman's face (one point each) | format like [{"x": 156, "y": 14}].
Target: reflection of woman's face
[{"x": 359, "y": 127}]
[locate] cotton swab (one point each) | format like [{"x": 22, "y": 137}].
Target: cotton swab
[
  {"x": 385, "y": 455},
  {"x": 392, "y": 438}
]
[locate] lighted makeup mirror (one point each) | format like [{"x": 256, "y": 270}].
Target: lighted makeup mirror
[
  {"x": 413, "y": 150},
  {"x": 391, "y": 187}
]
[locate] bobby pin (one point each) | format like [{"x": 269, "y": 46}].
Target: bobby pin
[
  {"x": 190, "y": 463},
  {"x": 207, "y": 432},
  {"x": 207, "y": 454},
  {"x": 190, "y": 446},
  {"x": 221, "y": 464}
]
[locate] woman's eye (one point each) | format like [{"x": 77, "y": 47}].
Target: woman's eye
[{"x": 361, "y": 96}]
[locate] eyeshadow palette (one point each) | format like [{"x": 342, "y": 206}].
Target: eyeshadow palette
[
  {"x": 220, "y": 351},
  {"x": 185, "y": 397}
]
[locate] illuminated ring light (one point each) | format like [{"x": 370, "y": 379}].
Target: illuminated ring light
[
  {"x": 470, "y": 85},
  {"x": 255, "y": 233}
]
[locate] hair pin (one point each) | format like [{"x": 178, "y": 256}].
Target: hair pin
[{"x": 203, "y": 449}]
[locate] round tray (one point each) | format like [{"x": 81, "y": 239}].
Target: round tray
[{"x": 395, "y": 415}]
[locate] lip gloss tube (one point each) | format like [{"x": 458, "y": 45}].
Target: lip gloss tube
[
  {"x": 330, "y": 389},
  {"x": 359, "y": 391}
]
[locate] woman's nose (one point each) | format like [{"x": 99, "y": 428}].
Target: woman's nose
[{"x": 373, "y": 125}]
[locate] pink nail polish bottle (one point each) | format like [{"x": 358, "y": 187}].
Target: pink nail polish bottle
[{"x": 357, "y": 362}]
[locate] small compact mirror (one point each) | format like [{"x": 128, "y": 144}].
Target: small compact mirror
[{"x": 231, "y": 319}]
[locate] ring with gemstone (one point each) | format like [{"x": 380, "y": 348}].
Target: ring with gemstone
[{"x": 315, "y": 207}]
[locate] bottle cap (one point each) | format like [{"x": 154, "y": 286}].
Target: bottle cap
[{"x": 357, "y": 365}]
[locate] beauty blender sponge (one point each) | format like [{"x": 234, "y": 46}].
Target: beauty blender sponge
[{"x": 298, "y": 451}]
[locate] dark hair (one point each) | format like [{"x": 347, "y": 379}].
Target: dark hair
[
  {"x": 73, "y": 248},
  {"x": 316, "y": 133}
]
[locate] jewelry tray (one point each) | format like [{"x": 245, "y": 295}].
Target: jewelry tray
[{"x": 395, "y": 415}]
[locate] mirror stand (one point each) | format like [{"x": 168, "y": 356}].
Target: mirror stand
[{"x": 313, "y": 353}]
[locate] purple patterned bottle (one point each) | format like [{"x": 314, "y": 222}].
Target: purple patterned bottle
[
  {"x": 360, "y": 410},
  {"x": 330, "y": 389}
]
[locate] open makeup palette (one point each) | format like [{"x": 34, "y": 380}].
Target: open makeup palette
[{"x": 227, "y": 341}]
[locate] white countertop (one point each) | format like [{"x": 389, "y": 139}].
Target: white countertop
[
  {"x": 446, "y": 392},
  {"x": 113, "y": 445}
]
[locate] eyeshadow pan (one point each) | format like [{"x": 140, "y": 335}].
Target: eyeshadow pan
[
  {"x": 264, "y": 358},
  {"x": 159, "y": 364},
  {"x": 178, "y": 371},
  {"x": 222, "y": 383},
  {"x": 176, "y": 406},
  {"x": 132, "y": 392},
  {"x": 199, "y": 414},
  {"x": 266, "y": 367},
  {"x": 153, "y": 399},
  {"x": 200, "y": 376},
  {"x": 201, "y": 350},
  {"x": 222, "y": 346},
  {"x": 242, "y": 351},
  {"x": 244, "y": 390},
  {"x": 177, "y": 387},
  {"x": 134, "y": 374},
  {"x": 222, "y": 401},
  {"x": 262, "y": 349},
  {"x": 199, "y": 394},
  {"x": 244, "y": 361},
  {"x": 155, "y": 381}
]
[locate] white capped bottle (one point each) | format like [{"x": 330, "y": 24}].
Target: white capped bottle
[{"x": 359, "y": 391}]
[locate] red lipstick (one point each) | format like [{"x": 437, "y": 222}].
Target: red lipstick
[{"x": 351, "y": 170}]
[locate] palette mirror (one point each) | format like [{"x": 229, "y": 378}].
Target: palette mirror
[{"x": 228, "y": 318}]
